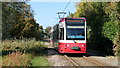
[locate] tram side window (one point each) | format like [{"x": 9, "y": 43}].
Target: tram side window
[
  {"x": 62, "y": 34},
  {"x": 55, "y": 35}
]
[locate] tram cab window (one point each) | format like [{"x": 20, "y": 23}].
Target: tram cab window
[{"x": 61, "y": 33}]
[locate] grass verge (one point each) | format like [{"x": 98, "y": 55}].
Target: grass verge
[
  {"x": 39, "y": 61},
  {"x": 24, "y": 53}
]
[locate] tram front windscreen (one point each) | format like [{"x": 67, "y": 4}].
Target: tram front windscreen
[{"x": 75, "y": 29}]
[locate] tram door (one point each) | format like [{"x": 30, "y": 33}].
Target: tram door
[{"x": 61, "y": 34}]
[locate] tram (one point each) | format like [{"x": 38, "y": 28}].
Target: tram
[{"x": 69, "y": 35}]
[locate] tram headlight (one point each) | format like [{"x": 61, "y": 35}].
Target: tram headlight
[
  {"x": 67, "y": 45},
  {"x": 83, "y": 45}
]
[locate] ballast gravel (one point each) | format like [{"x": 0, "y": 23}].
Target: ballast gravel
[{"x": 57, "y": 60}]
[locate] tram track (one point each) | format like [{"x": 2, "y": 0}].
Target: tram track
[
  {"x": 89, "y": 60},
  {"x": 94, "y": 62},
  {"x": 72, "y": 61}
]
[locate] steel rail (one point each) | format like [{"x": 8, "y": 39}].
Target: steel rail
[
  {"x": 94, "y": 62},
  {"x": 73, "y": 62},
  {"x": 88, "y": 59}
]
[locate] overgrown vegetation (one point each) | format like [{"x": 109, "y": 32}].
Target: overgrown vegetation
[
  {"x": 104, "y": 20},
  {"x": 18, "y": 29},
  {"x": 24, "y": 53}
]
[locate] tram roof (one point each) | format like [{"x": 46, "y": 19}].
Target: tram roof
[{"x": 63, "y": 19}]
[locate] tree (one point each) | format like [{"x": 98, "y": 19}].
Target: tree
[
  {"x": 40, "y": 33},
  {"x": 47, "y": 31},
  {"x": 18, "y": 21},
  {"x": 111, "y": 26}
]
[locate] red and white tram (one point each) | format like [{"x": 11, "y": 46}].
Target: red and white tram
[{"x": 69, "y": 35}]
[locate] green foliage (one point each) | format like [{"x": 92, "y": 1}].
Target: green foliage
[
  {"x": 47, "y": 32},
  {"x": 40, "y": 33},
  {"x": 23, "y": 44},
  {"x": 111, "y": 27},
  {"x": 18, "y": 21},
  {"x": 110, "y": 30}
]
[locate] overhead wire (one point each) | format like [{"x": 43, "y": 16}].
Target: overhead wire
[{"x": 66, "y": 7}]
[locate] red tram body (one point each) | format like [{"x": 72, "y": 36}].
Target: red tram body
[{"x": 69, "y": 35}]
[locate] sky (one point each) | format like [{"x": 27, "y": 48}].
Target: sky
[{"x": 46, "y": 12}]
